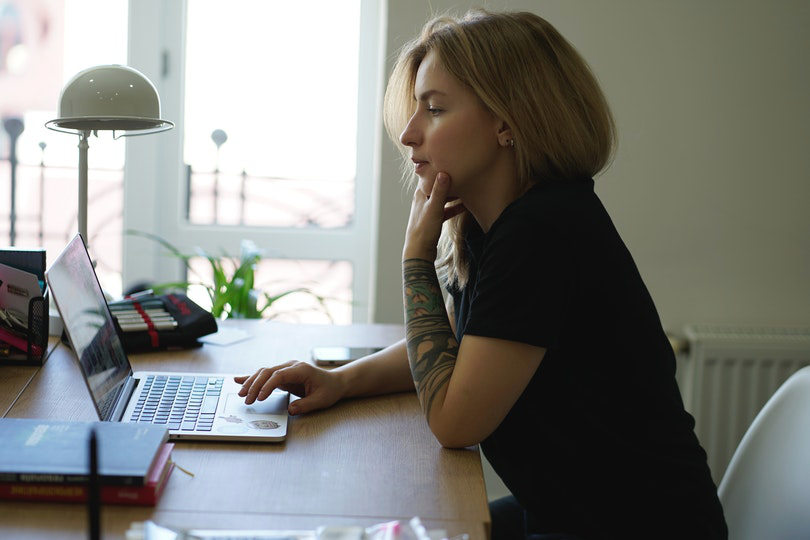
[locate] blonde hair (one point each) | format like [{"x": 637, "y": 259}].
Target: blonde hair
[{"x": 529, "y": 76}]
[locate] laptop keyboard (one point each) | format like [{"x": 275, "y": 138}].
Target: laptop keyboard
[{"x": 180, "y": 403}]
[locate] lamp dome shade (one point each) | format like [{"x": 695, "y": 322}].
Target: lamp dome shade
[{"x": 110, "y": 97}]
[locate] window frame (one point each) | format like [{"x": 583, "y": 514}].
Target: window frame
[{"x": 154, "y": 175}]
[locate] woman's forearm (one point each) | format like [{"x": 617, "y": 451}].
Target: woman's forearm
[
  {"x": 384, "y": 372},
  {"x": 430, "y": 342}
]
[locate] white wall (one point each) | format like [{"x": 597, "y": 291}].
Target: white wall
[{"x": 711, "y": 183}]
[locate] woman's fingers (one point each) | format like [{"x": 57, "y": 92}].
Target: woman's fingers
[
  {"x": 441, "y": 205},
  {"x": 452, "y": 210},
  {"x": 245, "y": 381},
  {"x": 262, "y": 376},
  {"x": 252, "y": 385},
  {"x": 425, "y": 186},
  {"x": 427, "y": 216},
  {"x": 307, "y": 404},
  {"x": 319, "y": 392},
  {"x": 283, "y": 378},
  {"x": 318, "y": 388},
  {"x": 438, "y": 194}
]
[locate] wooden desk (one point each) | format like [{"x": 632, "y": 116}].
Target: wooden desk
[
  {"x": 363, "y": 461},
  {"x": 14, "y": 379}
]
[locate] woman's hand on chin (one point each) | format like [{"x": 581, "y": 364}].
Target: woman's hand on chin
[{"x": 428, "y": 211}]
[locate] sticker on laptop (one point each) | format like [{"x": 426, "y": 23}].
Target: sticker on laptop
[{"x": 264, "y": 424}]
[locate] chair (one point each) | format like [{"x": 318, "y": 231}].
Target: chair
[{"x": 765, "y": 491}]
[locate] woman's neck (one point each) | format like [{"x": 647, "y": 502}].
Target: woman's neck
[{"x": 492, "y": 194}]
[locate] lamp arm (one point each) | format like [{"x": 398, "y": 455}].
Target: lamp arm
[{"x": 83, "y": 146}]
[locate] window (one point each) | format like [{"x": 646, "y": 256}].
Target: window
[
  {"x": 43, "y": 44},
  {"x": 267, "y": 85},
  {"x": 270, "y": 144}
]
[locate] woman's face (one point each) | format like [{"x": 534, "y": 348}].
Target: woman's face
[{"x": 451, "y": 131}]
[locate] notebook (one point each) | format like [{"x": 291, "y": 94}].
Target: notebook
[{"x": 202, "y": 406}]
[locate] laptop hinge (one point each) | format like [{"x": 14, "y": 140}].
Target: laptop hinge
[{"x": 122, "y": 402}]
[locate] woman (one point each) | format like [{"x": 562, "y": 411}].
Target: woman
[{"x": 549, "y": 334}]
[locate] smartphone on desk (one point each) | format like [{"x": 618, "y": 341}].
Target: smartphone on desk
[{"x": 337, "y": 356}]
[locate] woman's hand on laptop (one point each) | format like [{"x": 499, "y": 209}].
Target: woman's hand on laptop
[{"x": 317, "y": 388}]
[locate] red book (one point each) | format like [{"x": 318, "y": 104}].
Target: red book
[{"x": 145, "y": 495}]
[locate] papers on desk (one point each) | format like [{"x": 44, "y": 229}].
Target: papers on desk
[
  {"x": 17, "y": 288},
  {"x": 152, "y": 531},
  {"x": 23, "y": 307},
  {"x": 20, "y": 291},
  {"x": 392, "y": 530},
  {"x": 226, "y": 336}
]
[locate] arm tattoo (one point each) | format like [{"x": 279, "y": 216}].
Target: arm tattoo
[{"x": 432, "y": 347}]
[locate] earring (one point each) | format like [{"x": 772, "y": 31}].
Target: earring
[{"x": 512, "y": 143}]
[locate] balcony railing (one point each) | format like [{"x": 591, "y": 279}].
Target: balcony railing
[{"x": 43, "y": 213}]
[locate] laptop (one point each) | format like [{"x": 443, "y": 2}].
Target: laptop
[{"x": 200, "y": 406}]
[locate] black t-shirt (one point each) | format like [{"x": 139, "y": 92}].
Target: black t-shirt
[{"x": 599, "y": 443}]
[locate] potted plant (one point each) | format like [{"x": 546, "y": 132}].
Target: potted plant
[{"x": 233, "y": 292}]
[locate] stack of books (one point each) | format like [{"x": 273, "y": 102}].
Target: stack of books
[{"x": 48, "y": 460}]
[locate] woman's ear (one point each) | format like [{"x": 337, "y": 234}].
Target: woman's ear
[{"x": 505, "y": 137}]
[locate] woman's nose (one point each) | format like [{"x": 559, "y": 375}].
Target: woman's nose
[{"x": 410, "y": 135}]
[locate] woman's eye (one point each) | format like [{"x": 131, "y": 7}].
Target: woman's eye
[{"x": 434, "y": 110}]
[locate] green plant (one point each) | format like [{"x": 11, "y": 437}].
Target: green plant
[{"x": 233, "y": 292}]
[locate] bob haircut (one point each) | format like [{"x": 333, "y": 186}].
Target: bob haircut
[{"x": 529, "y": 76}]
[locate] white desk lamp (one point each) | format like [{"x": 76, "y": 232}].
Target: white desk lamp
[{"x": 112, "y": 97}]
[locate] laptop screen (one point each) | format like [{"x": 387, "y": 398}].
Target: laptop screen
[{"x": 89, "y": 325}]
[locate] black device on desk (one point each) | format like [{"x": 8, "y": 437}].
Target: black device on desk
[{"x": 168, "y": 321}]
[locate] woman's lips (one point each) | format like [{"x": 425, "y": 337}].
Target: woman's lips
[{"x": 419, "y": 166}]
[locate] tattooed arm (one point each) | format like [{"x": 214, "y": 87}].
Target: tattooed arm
[
  {"x": 465, "y": 389},
  {"x": 432, "y": 346}
]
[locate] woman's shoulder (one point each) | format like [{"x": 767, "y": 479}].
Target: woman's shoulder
[{"x": 553, "y": 205}]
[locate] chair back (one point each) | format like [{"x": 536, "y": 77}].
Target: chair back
[{"x": 765, "y": 491}]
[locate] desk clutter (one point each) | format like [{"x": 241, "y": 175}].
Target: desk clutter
[
  {"x": 171, "y": 321},
  {"x": 391, "y": 530},
  {"x": 47, "y": 461},
  {"x": 23, "y": 307}
]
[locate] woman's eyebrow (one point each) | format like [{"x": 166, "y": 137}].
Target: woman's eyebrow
[{"x": 424, "y": 96}]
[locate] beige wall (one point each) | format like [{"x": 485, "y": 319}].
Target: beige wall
[{"x": 711, "y": 184}]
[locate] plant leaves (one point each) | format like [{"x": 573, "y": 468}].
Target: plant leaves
[{"x": 235, "y": 296}]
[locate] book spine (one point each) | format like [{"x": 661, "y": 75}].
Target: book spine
[
  {"x": 142, "y": 496},
  {"x": 155, "y": 471},
  {"x": 48, "y": 478}
]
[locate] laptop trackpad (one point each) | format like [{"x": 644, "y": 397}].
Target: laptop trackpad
[
  {"x": 276, "y": 403},
  {"x": 260, "y": 415}
]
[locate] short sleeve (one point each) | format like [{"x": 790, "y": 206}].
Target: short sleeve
[{"x": 524, "y": 283}]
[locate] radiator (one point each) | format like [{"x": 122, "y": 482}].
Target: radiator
[{"x": 728, "y": 373}]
